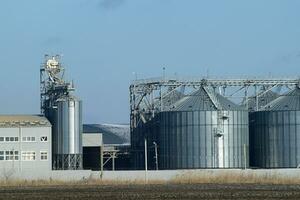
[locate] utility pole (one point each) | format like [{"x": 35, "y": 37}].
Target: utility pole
[
  {"x": 156, "y": 156},
  {"x": 146, "y": 162},
  {"x": 245, "y": 156},
  {"x": 113, "y": 160},
  {"x": 101, "y": 158}
]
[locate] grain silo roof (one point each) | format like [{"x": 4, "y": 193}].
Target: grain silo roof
[
  {"x": 288, "y": 101},
  {"x": 201, "y": 100},
  {"x": 263, "y": 100}
]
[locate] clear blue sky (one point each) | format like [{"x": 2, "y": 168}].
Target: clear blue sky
[{"x": 105, "y": 41}]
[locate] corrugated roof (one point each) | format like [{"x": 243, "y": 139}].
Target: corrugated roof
[
  {"x": 111, "y": 133},
  {"x": 23, "y": 121},
  {"x": 288, "y": 101},
  {"x": 200, "y": 100},
  {"x": 262, "y": 100}
]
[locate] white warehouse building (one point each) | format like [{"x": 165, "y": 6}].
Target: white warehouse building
[{"x": 25, "y": 144}]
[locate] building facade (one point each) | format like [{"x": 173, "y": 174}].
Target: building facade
[{"x": 25, "y": 144}]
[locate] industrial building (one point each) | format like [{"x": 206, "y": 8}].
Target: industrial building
[
  {"x": 92, "y": 144},
  {"x": 55, "y": 140},
  {"x": 174, "y": 124},
  {"x": 113, "y": 151},
  {"x": 50, "y": 141},
  {"x": 204, "y": 129},
  {"x": 25, "y": 144}
]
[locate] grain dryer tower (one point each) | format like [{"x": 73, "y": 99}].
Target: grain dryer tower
[{"x": 63, "y": 110}]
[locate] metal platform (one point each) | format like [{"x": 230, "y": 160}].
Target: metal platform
[{"x": 147, "y": 95}]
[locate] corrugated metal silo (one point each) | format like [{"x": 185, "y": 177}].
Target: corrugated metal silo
[
  {"x": 150, "y": 130},
  {"x": 274, "y": 132},
  {"x": 255, "y": 104},
  {"x": 203, "y": 130},
  {"x": 67, "y": 134}
]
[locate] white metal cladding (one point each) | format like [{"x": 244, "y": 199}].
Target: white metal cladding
[
  {"x": 188, "y": 140},
  {"x": 11, "y": 167},
  {"x": 275, "y": 139}
]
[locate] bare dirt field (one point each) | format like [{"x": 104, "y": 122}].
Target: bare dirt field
[{"x": 164, "y": 191}]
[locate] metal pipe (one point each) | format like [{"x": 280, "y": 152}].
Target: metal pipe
[
  {"x": 113, "y": 161},
  {"x": 72, "y": 127},
  {"x": 101, "y": 160},
  {"x": 256, "y": 98},
  {"x": 245, "y": 156},
  {"x": 161, "y": 99},
  {"x": 246, "y": 98},
  {"x": 156, "y": 156},
  {"x": 146, "y": 162}
]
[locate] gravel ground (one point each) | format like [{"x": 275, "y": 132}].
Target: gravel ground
[{"x": 172, "y": 191}]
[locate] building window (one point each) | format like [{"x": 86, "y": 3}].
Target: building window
[
  {"x": 28, "y": 139},
  {"x": 9, "y": 139},
  {"x": 1, "y": 155},
  {"x": 44, "y": 155},
  {"x": 16, "y": 155},
  {"x": 9, "y": 155},
  {"x": 44, "y": 139},
  {"x": 28, "y": 155}
]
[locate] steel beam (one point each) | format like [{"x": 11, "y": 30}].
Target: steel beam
[{"x": 158, "y": 88}]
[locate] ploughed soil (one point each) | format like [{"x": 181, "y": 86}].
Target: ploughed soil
[{"x": 163, "y": 191}]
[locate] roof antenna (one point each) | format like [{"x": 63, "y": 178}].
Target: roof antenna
[
  {"x": 207, "y": 73},
  {"x": 164, "y": 74}
]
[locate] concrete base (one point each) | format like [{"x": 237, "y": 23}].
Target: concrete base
[{"x": 160, "y": 175}]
